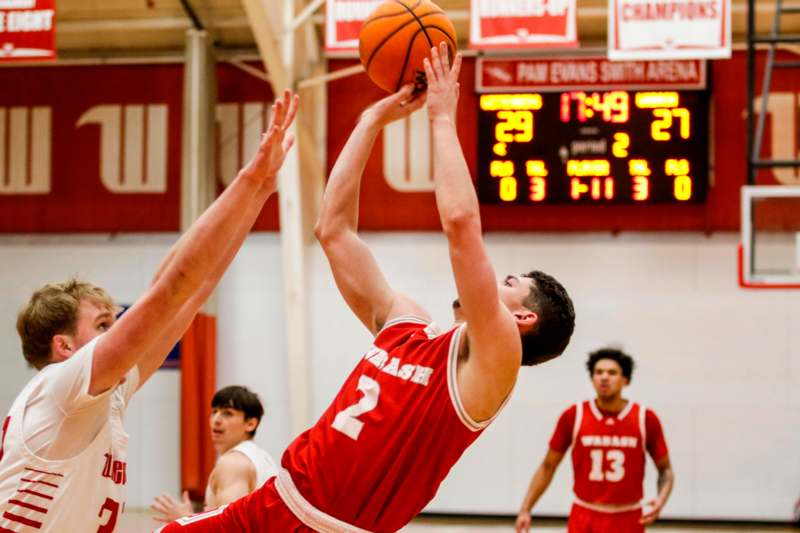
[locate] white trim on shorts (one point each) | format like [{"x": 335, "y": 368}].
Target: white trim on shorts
[
  {"x": 605, "y": 508},
  {"x": 307, "y": 513}
]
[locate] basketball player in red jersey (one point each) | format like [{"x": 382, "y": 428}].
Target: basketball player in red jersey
[
  {"x": 63, "y": 453},
  {"x": 418, "y": 397},
  {"x": 609, "y": 437}
]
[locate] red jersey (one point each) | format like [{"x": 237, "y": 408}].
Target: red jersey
[
  {"x": 377, "y": 455},
  {"x": 608, "y": 450}
]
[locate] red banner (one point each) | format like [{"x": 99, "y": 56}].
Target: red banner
[
  {"x": 508, "y": 74},
  {"x": 27, "y": 30},
  {"x": 522, "y": 24},
  {"x": 396, "y": 191},
  {"x": 102, "y": 153},
  {"x": 343, "y": 20}
]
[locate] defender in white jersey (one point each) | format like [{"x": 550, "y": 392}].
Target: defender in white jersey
[
  {"x": 63, "y": 456},
  {"x": 242, "y": 466}
]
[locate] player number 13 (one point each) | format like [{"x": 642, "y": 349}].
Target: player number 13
[
  {"x": 616, "y": 469},
  {"x": 347, "y": 420}
]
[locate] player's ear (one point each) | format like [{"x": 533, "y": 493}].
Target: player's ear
[
  {"x": 250, "y": 425},
  {"x": 61, "y": 347},
  {"x": 525, "y": 318}
]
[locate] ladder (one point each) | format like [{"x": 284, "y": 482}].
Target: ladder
[{"x": 755, "y": 130}]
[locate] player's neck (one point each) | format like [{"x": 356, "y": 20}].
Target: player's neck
[{"x": 612, "y": 404}]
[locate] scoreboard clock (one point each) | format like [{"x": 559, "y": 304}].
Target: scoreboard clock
[{"x": 594, "y": 147}]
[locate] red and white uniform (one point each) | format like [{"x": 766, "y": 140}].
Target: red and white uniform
[
  {"x": 377, "y": 455},
  {"x": 608, "y": 461},
  {"x": 63, "y": 459}
]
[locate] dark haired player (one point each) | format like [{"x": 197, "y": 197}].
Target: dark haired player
[
  {"x": 418, "y": 397},
  {"x": 609, "y": 437},
  {"x": 242, "y": 466}
]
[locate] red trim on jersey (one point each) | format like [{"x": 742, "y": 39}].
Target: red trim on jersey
[
  {"x": 44, "y": 472},
  {"x": 656, "y": 443},
  {"x": 22, "y": 520},
  {"x": 33, "y": 492},
  {"x": 40, "y": 482},
  {"x": 27, "y": 505}
]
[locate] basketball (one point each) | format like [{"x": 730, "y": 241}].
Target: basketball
[{"x": 397, "y": 36}]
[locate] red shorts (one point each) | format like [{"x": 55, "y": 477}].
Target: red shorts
[
  {"x": 583, "y": 520},
  {"x": 262, "y": 511}
]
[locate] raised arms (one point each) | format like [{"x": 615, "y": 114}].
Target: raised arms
[
  {"x": 144, "y": 335},
  {"x": 495, "y": 346},
  {"x": 357, "y": 275}
]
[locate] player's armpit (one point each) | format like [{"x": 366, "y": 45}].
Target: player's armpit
[
  {"x": 361, "y": 282},
  {"x": 234, "y": 477}
]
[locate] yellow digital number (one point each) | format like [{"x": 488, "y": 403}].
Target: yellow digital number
[
  {"x": 641, "y": 188},
  {"x": 500, "y": 169},
  {"x": 522, "y": 121},
  {"x": 683, "y": 188},
  {"x": 622, "y": 141},
  {"x": 663, "y": 122},
  {"x": 508, "y": 189},
  {"x": 682, "y": 114},
  {"x": 538, "y": 189}
]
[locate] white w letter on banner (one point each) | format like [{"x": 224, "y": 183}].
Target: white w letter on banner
[
  {"x": 25, "y": 150},
  {"x": 133, "y": 146},
  {"x": 407, "y": 153},
  {"x": 782, "y": 110}
]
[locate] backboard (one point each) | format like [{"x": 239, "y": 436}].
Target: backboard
[{"x": 769, "y": 254}]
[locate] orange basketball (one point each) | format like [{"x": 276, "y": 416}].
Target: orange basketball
[{"x": 397, "y": 36}]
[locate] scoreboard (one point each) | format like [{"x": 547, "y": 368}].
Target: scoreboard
[{"x": 594, "y": 147}]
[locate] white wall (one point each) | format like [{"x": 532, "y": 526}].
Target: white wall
[{"x": 718, "y": 364}]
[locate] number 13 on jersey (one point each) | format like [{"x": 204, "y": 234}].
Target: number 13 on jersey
[
  {"x": 616, "y": 466},
  {"x": 346, "y": 420}
]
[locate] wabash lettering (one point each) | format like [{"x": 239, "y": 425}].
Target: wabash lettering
[{"x": 116, "y": 471}]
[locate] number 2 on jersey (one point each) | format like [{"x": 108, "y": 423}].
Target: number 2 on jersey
[
  {"x": 113, "y": 507},
  {"x": 346, "y": 420},
  {"x": 617, "y": 470}
]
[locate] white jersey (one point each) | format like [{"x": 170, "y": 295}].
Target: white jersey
[
  {"x": 263, "y": 463},
  {"x": 80, "y": 492}
]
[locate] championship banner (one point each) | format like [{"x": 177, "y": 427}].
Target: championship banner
[
  {"x": 564, "y": 74},
  {"x": 27, "y": 30},
  {"x": 669, "y": 29},
  {"x": 343, "y": 20},
  {"x": 522, "y": 24}
]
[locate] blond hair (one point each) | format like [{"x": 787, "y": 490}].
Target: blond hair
[{"x": 53, "y": 310}]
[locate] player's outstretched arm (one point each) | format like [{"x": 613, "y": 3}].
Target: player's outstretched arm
[
  {"x": 495, "y": 346},
  {"x": 539, "y": 483},
  {"x": 357, "y": 275},
  {"x": 145, "y": 334},
  {"x": 666, "y": 480}
]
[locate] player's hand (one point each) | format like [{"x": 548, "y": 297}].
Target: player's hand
[
  {"x": 394, "y": 107},
  {"x": 275, "y": 143},
  {"x": 651, "y": 511},
  {"x": 523, "y": 524},
  {"x": 443, "y": 86},
  {"x": 168, "y": 509}
]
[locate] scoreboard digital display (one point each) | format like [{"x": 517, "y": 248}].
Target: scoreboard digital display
[{"x": 593, "y": 147}]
